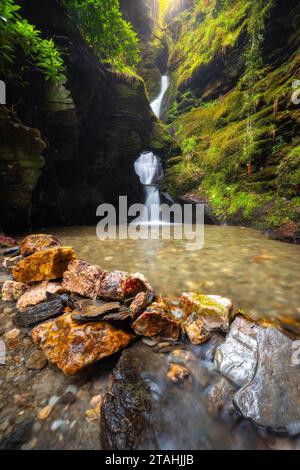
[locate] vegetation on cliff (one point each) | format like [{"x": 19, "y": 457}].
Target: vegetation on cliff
[
  {"x": 23, "y": 47},
  {"x": 148, "y": 20},
  {"x": 96, "y": 120},
  {"x": 232, "y": 69},
  {"x": 105, "y": 29},
  {"x": 20, "y": 39}
]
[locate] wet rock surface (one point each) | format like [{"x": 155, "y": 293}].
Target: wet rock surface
[
  {"x": 9, "y": 263},
  {"x": 143, "y": 408},
  {"x": 288, "y": 232},
  {"x": 38, "y": 242},
  {"x": 21, "y": 163},
  {"x": 36, "y": 361},
  {"x": 205, "y": 314},
  {"x": 31, "y": 316},
  {"x": 178, "y": 373},
  {"x": 83, "y": 278},
  {"x": 12, "y": 290},
  {"x": 119, "y": 285},
  {"x": 272, "y": 398},
  {"x": 44, "y": 265},
  {"x": 93, "y": 282},
  {"x": 7, "y": 242},
  {"x": 38, "y": 293},
  {"x": 72, "y": 346},
  {"x": 141, "y": 301},
  {"x": 159, "y": 381},
  {"x": 157, "y": 320},
  {"x": 237, "y": 357},
  {"x": 95, "y": 312}
]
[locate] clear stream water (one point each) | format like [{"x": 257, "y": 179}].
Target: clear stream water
[{"x": 261, "y": 276}]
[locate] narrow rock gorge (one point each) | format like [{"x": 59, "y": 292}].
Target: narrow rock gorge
[{"x": 149, "y": 173}]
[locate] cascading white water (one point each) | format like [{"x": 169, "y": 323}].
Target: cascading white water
[
  {"x": 149, "y": 168},
  {"x": 150, "y": 171},
  {"x": 157, "y": 103}
]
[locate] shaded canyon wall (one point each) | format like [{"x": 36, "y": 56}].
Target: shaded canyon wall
[{"x": 89, "y": 132}]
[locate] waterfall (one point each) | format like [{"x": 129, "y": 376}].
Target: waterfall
[
  {"x": 157, "y": 103},
  {"x": 150, "y": 171},
  {"x": 149, "y": 168}
]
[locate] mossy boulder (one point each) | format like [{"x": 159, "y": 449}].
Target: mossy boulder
[{"x": 205, "y": 314}]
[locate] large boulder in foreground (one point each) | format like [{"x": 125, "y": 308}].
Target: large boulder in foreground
[
  {"x": 272, "y": 398},
  {"x": 205, "y": 314},
  {"x": 72, "y": 346},
  {"x": 44, "y": 265},
  {"x": 144, "y": 409},
  {"x": 93, "y": 282},
  {"x": 157, "y": 320},
  {"x": 38, "y": 242},
  {"x": 237, "y": 357}
]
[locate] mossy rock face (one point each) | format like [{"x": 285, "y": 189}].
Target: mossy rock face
[
  {"x": 288, "y": 180},
  {"x": 21, "y": 162},
  {"x": 245, "y": 175},
  {"x": 58, "y": 97},
  {"x": 147, "y": 18}
]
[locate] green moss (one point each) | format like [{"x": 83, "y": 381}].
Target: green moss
[
  {"x": 283, "y": 211},
  {"x": 289, "y": 174},
  {"x": 240, "y": 152},
  {"x": 206, "y": 32},
  {"x": 205, "y": 305},
  {"x": 183, "y": 176}
]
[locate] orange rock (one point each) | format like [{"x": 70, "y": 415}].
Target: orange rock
[
  {"x": 93, "y": 414},
  {"x": 140, "y": 302},
  {"x": 195, "y": 330},
  {"x": 157, "y": 320},
  {"x": 44, "y": 265},
  {"x": 120, "y": 285},
  {"x": 34, "y": 243},
  {"x": 177, "y": 373},
  {"x": 288, "y": 232},
  {"x": 72, "y": 346}
]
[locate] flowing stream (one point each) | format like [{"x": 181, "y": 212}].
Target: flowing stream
[
  {"x": 149, "y": 169},
  {"x": 261, "y": 276}
]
